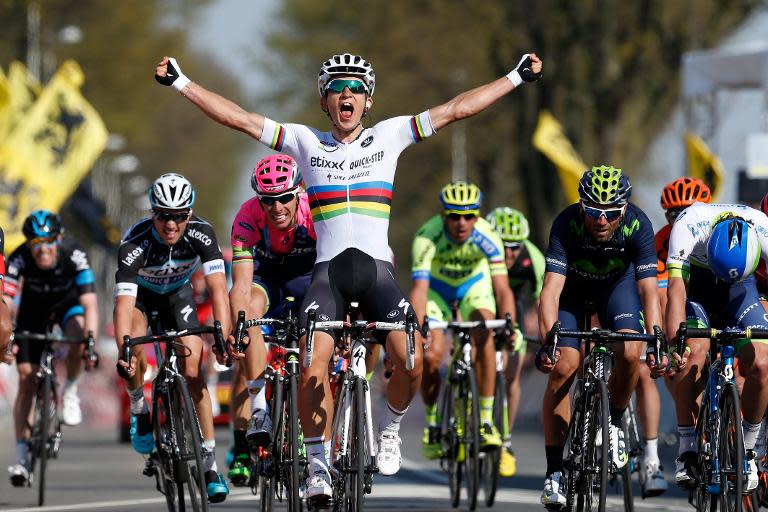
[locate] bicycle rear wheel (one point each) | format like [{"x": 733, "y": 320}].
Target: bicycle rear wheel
[
  {"x": 162, "y": 428},
  {"x": 731, "y": 450},
  {"x": 594, "y": 477},
  {"x": 471, "y": 439},
  {"x": 490, "y": 460},
  {"x": 45, "y": 410},
  {"x": 449, "y": 440},
  {"x": 190, "y": 478}
]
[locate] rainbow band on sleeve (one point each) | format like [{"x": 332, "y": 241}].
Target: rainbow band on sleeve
[
  {"x": 677, "y": 270},
  {"x": 277, "y": 138},
  {"x": 421, "y": 127},
  {"x": 372, "y": 198},
  {"x": 242, "y": 254}
]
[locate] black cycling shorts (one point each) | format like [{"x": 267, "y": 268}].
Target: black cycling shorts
[
  {"x": 30, "y": 320},
  {"x": 175, "y": 311},
  {"x": 355, "y": 276}
]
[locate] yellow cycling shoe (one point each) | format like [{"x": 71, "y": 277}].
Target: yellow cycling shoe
[
  {"x": 507, "y": 463},
  {"x": 489, "y": 437},
  {"x": 431, "y": 448}
]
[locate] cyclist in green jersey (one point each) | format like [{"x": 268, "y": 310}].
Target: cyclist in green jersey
[
  {"x": 458, "y": 258},
  {"x": 525, "y": 270}
]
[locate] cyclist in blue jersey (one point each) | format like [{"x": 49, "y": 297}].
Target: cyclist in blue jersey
[
  {"x": 156, "y": 260},
  {"x": 601, "y": 250},
  {"x": 349, "y": 173}
]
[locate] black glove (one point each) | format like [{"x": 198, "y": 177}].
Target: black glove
[{"x": 173, "y": 77}]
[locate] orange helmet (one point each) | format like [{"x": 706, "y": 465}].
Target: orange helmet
[{"x": 683, "y": 192}]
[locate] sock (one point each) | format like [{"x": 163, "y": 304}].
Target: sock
[
  {"x": 554, "y": 456},
  {"x": 316, "y": 453},
  {"x": 70, "y": 386},
  {"x": 430, "y": 412},
  {"x": 138, "y": 404},
  {"x": 209, "y": 463},
  {"x": 651, "y": 453},
  {"x": 750, "y": 434},
  {"x": 617, "y": 416},
  {"x": 486, "y": 409},
  {"x": 22, "y": 452},
  {"x": 391, "y": 419},
  {"x": 687, "y": 435},
  {"x": 257, "y": 392},
  {"x": 241, "y": 444}
]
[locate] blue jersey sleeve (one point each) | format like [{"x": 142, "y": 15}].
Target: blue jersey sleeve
[
  {"x": 643, "y": 246},
  {"x": 556, "y": 257}
]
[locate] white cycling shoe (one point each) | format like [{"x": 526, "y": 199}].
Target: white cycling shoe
[
  {"x": 552, "y": 496},
  {"x": 318, "y": 486},
  {"x": 653, "y": 480},
  {"x": 751, "y": 476},
  {"x": 19, "y": 475},
  {"x": 70, "y": 413},
  {"x": 388, "y": 454}
]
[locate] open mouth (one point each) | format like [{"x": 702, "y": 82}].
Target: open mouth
[
  {"x": 279, "y": 218},
  {"x": 346, "y": 110}
]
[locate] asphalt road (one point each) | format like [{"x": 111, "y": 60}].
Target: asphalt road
[{"x": 96, "y": 473}]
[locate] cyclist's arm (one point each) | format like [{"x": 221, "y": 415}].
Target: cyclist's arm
[
  {"x": 549, "y": 301},
  {"x": 418, "y": 298},
  {"x": 218, "y": 108},
  {"x": 216, "y": 284},
  {"x": 6, "y": 326},
  {"x": 676, "y": 297},
  {"x": 122, "y": 318},
  {"x": 505, "y": 298},
  {"x": 474, "y": 101},
  {"x": 240, "y": 294},
  {"x": 649, "y": 298},
  {"x": 91, "y": 306}
]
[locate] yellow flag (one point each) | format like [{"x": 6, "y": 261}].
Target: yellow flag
[
  {"x": 704, "y": 164},
  {"x": 4, "y": 101},
  {"x": 49, "y": 152},
  {"x": 23, "y": 91},
  {"x": 550, "y": 140}
]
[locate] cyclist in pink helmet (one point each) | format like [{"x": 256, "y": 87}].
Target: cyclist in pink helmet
[{"x": 273, "y": 248}]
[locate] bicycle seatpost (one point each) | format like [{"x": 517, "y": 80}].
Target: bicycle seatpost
[{"x": 310, "y": 339}]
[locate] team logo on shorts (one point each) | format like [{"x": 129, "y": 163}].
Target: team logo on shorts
[
  {"x": 323, "y": 317},
  {"x": 393, "y": 313}
]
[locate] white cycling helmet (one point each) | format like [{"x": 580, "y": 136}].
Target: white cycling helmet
[
  {"x": 172, "y": 191},
  {"x": 349, "y": 65}
]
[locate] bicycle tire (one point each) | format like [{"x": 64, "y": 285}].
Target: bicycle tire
[
  {"x": 595, "y": 472},
  {"x": 294, "y": 463},
  {"x": 490, "y": 462},
  {"x": 355, "y": 475},
  {"x": 572, "y": 450},
  {"x": 162, "y": 429},
  {"x": 626, "y": 479},
  {"x": 268, "y": 482},
  {"x": 731, "y": 450},
  {"x": 471, "y": 439},
  {"x": 449, "y": 441},
  {"x": 45, "y": 405},
  {"x": 703, "y": 500},
  {"x": 189, "y": 445}
]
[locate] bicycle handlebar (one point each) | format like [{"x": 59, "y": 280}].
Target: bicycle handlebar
[
  {"x": 89, "y": 342},
  {"x": 465, "y": 326},
  {"x": 170, "y": 336},
  {"x": 728, "y": 335}
]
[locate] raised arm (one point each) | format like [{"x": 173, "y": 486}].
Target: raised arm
[
  {"x": 474, "y": 101},
  {"x": 218, "y": 108}
]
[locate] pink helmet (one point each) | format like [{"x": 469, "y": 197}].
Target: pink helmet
[{"x": 275, "y": 175}]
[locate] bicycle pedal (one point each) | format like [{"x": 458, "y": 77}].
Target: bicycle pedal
[
  {"x": 319, "y": 503},
  {"x": 150, "y": 469}
]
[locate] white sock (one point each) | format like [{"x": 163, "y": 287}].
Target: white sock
[
  {"x": 750, "y": 434},
  {"x": 317, "y": 452},
  {"x": 391, "y": 419},
  {"x": 70, "y": 386},
  {"x": 257, "y": 392},
  {"x": 687, "y": 435},
  {"x": 209, "y": 463},
  {"x": 651, "y": 453},
  {"x": 22, "y": 452},
  {"x": 138, "y": 404}
]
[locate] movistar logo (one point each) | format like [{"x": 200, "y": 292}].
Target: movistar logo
[
  {"x": 577, "y": 227},
  {"x": 628, "y": 230}
]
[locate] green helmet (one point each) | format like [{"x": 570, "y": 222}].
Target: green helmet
[
  {"x": 605, "y": 185},
  {"x": 510, "y": 224}
]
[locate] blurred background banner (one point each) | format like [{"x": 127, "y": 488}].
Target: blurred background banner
[
  {"x": 550, "y": 140},
  {"x": 50, "y": 150},
  {"x": 22, "y": 90},
  {"x": 704, "y": 164}
]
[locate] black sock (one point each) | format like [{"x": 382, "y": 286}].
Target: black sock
[
  {"x": 554, "y": 456},
  {"x": 241, "y": 444},
  {"x": 617, "y": 416},
  {"x": 143, "y": 425}
]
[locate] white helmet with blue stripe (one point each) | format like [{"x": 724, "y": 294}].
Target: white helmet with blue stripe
[{"x": 733, "y": 250}]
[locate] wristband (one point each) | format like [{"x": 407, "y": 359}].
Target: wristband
[
  {"x": 181, "y": 81},
  {"x": 515, "y": 78}
]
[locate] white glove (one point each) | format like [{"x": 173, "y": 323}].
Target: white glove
[{"x": 523, "y": 73}]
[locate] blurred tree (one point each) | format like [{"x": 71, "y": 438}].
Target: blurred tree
[
  {"x": 610, "y": 77},
  {"x": 121, "y": 44}
]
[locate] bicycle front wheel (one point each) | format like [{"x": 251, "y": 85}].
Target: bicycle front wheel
[
  {"x": 471, "y": 440},
  {"x": 271, "y": 473},
  {"x": 357, "y": 453},
  {"x": 449, "y": 441},
  {"x": 190, "y": 477},
  {"x": 705, "y": 493},
  {"x": 294, "y": 464},
  {"x": 490, "y": 459},
  {"x": 626, "y": 471},
  {"x": 163, "y": 430},
  {"x": 45, "y": 410},
  {"x": 594, "y": 474},
  {"x": 731, "y": 450}
]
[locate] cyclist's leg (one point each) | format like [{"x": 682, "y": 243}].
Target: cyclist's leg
[
  {"x": 485, "y": 365},
  {"x": 259, "y": 427},
  {"x": 73, "y": 324},
  {"x": 26, "y": 365},
  {"x": 315, "y": 398},
  {"x": 434, "y": 354},
  {"x": 239, "y": 471},
  {"x": 648, "y": 414}
]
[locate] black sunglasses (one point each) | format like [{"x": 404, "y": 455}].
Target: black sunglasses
[
  {"x": 283, "y": 199},
  {"x": 457, "y": 216},
  {"x": 171, "y": 216}
]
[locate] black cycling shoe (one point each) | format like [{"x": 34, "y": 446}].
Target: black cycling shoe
[{"x": 685, "y": 470}]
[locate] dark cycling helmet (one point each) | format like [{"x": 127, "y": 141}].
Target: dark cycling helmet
[
  {"x": 733, "y": 250},
  {"x": 683, "y": 192},
  {"x": 605, "y": 185},
  {"x": 42, "y": 224}
]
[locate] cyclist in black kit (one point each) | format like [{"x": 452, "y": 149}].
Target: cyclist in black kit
[
  {"x": 57, "y": 285},
  {"x": 155, "y": 262}
]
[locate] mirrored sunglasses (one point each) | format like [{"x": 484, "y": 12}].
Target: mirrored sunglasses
[
  {"x": 271, "y": 200},
  {"x": 513, "y": 245},
  {"x": 465, "y": 216},
  {"x": 610, "y": 214},
  {"x": 339, "y": 84},
  {"x": 42, "y": 241},
  {"x": 176, "y": 217}
]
